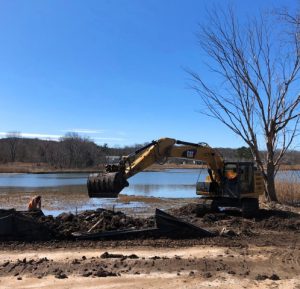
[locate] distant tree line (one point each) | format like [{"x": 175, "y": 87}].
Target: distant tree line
[
  {"x": 75, "y": 151},
  {"x": 71, "y": 151}
]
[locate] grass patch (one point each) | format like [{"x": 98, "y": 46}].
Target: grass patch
[
  {"x": 288, "y": 192},
  {"x": 128, "y": 199}
]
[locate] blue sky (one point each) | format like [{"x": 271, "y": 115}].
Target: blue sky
[{"x": 110, "y": 70}]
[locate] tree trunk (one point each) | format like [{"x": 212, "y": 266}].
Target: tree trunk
[{"x": 270, "y": 183}]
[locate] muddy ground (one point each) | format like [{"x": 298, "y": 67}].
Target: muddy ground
[{"x": 262, "y": 252}]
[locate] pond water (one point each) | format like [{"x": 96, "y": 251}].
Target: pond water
[
  {"x": 173, "y": 183},
  {"x": 169, "y": 183},
  {"x": 68, "y": 192}
]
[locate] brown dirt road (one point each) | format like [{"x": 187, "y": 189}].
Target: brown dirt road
[{"x": 146, "y": 267}]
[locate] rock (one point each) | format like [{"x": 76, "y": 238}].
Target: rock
[
  {"x": 61, "y": 275},
  {"x": 75, "y": 261},
  {"x": 104, "y": 273},
  {"x": 210, "y": 218},
  {"x": 42, "y": 260},
  {"x": 106, "y": 255},
  {"x": 5, "y": 264},
  {"x": 132, "y": 256},
  {"x": 246, "y": 232},
  {"x": 260, "y": 277},
  {"x": 274, "y": 277},
  {"x": 227, "y": 233},
  {"x": 207, "y": 275},
  {"x": 66, "y": 217},
  {"x": 155, "y": 258}
]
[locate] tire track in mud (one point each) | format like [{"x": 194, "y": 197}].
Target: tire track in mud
[{"x": 289, "y": 260}]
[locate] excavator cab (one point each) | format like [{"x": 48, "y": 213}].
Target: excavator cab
[
  {"x": 241, "y": 186},
  {"x": 238, "y": 180}
]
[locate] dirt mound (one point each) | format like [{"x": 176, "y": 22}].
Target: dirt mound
[
  {"x": 279, "y": 222},
  {"x": 186, "y": 210},
  {"x": 95, "y": 221},
  {"x": 270, "y": 219},
  {"x": 36, "y": 226},
  {"x": 16, "y": 225}
]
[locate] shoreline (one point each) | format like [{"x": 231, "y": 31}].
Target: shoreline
[
  {"x": 32, "y": 168},
  {"x": 36, "y": 168}
]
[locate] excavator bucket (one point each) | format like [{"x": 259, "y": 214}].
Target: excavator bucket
[{"x": 106, "y": 185}]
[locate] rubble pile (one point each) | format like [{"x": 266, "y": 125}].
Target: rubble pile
[
  {"x": 17, "y": 225},
  {"x": 99, "y": 220}
]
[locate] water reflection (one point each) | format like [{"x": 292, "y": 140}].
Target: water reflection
[
  {"x": 291, "y": 176},
  {"x": 41, "y": 180},
  {"x": 166, "y": 191}
]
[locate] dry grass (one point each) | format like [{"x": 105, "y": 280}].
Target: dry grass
[
  {"x": 288, "y": 192},
  {"x": 20, "y": 167},
  {"x": 128, "y": 199},
  {"x": 289, "y": 167}
]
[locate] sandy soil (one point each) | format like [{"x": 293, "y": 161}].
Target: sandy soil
[{"x": 192, "y": 267}]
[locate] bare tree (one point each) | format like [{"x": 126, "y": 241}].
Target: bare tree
[
  {"x": 13, "y": 139},
  {"x": 255, "y": 63},
  {"x": 79, "y": 151}
]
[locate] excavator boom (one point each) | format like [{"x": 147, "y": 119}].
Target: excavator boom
[{"x": 110, "y": 183}]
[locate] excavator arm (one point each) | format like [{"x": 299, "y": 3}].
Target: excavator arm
[{"x": 109, "y": 184}]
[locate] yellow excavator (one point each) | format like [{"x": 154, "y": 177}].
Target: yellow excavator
[{"x": 228, "y": 184}]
